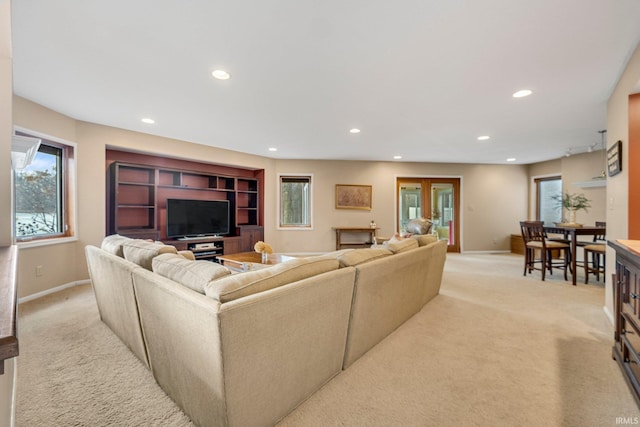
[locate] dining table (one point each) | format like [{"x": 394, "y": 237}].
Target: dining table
[{"x": 571, "y": 233}]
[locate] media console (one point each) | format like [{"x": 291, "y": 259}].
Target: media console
[{"x": 209, "y": 248}]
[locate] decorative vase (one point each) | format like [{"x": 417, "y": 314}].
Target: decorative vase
[
  {"x": 572, "y": 216},
  {"x": 265, "y": 257}
]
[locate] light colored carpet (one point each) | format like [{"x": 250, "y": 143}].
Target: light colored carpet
[
  {"x": 495, "y": 348},
  {"x": 73, "y": 371}
]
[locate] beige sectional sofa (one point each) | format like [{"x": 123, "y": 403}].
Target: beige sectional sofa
[{"x": 245, "y": 349}]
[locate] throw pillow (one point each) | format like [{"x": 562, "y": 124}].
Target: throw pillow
[
  {"x": 113, "y": 244},
  {"x": 419, "y": 226},
  {"x": 402, "y": 245},
  {"x": 425, "y": 239},
  {"x": 142, "y": 252}
]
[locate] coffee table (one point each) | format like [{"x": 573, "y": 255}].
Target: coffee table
[{"x": 246, "y": 261}]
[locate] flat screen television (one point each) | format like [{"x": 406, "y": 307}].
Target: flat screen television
[{"x": 197, "y": 218}]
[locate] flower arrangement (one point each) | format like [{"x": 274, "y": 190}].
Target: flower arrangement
[
  {"x": 262, "y": 247},
  {"x": 573, "y": 202}
]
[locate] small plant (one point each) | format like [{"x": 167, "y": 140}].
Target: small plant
[{"x": 573, "y": 202}]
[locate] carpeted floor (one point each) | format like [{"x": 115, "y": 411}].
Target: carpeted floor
[
  {"x": 73, "y": 371},
  {"x": 494, "y": 348}
]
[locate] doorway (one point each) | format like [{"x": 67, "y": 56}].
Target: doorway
[{"x": 437, "y": 199}]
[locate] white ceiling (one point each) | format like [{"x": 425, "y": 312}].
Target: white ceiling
[{"x": 421, "y": 78}]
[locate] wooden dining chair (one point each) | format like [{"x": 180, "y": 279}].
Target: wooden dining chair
[
  {"x": 595, "y": 255},
  {"x": 535, "y": 241},
  {"x": 529, "y": 253}
]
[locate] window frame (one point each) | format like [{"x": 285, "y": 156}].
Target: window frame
[
  {"x": 537, "y": 181},
  {"x": 68, "y": 196},
  {"x": 279, "y": 224}
]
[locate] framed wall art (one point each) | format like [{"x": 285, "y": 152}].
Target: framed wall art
[
  {"x": 614, "y": 159},
  {"x": 353, "y": 196}
]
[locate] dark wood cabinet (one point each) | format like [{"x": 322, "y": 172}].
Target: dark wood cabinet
[
  {"x": 250, "y": 235},
  {"x": 139, "y": 186},
  {"x": 626, "y": 287},
  {"x": 133, "y": 201}
]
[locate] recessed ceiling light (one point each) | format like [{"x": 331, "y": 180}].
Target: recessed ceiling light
[
  {"x": 511, "y": 159},
  {"x": 354, "y": 130},
  {"x": 397, "y": 157},
  {"x": 522, "y": 93},
  {"x": 148, "y": 121},
  {"x": 220, "y": 74},
  {"x": 483, "y": 138},
  {"x": 273, "y": 149}
]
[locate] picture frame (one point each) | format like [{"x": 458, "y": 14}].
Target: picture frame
[
  {"x": 352, "y": 196},
  {"x": 614, "y": 159}
]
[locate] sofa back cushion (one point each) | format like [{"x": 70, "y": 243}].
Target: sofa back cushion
[
  {"x": 398, "y": 246},
  {"x": 113, "y": 244},
  {"x": 240, "y": 285},
  {"x": 142, "y": 252},
  {"x": 358, "y": 256},
  {"x": 425, "y": 239},
  {"x": 192, "y": 274}
]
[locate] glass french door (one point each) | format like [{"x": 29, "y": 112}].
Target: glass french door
[{"x": 437, "y": 199}]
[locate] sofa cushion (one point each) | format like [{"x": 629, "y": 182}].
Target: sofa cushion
[
  {"x": 192, "y": 274},
  {"x": 113, "y": 244},
  {"x": 142, "y": 252},
  {"x": 239, "y": 285},
  {"x": 397, "y": 246},
  {"x": 425, "y": 239},
  {"x": 187, "y": 254},
  {"x": 337, "y": 254},
  {"x": 358, "y": 256}
]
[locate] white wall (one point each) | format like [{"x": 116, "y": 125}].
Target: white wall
[
  {"x": 580, "y": 168},
  {"x": 618, "y": 186},
  {"x": 6, "y": 126},
  {"x": 494, "y": 200},
  {"x": 6, "y": 122}
]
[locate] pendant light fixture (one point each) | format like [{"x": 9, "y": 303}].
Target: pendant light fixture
[{"x": 603, "y": 174}]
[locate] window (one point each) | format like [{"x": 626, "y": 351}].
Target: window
[
  {"x": 295, "y": 202},
  {"x": 43, "y": 195},
  {"x": 546, "y": 207}
]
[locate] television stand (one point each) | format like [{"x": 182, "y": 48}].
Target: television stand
[
  {"x": 203, "y": 247},
  {"x": 243, "y": 242},
  {"x": 203, "y": 237}
]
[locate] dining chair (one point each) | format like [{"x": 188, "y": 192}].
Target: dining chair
[
  {"x": 595, "y": 255},
  {"x": 529, "y": 254},
  {"x": 535, "y": 241}
]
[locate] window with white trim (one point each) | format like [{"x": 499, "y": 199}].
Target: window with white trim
[
  {"x": 295, "y": 201},
  {"x": 547, "y": 208},
  {"x": 43, "y": 192}
]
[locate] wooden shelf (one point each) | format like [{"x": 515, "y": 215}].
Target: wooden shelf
[
  {"x": 139, "y": 186},
  {"x": 367, "y": 232}
]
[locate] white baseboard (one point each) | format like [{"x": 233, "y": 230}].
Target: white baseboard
[
  {"x": 52, "y": 290},
  {"x": 609, "y": 315}
]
